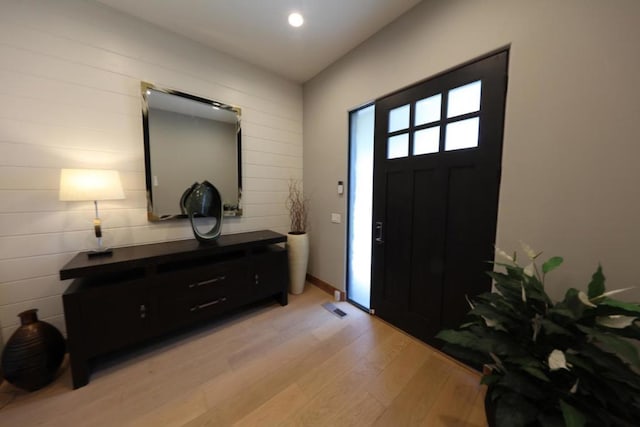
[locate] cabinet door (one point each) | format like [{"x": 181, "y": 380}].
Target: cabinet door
[
  {"x": 117, "y": 316},
  {"x": 270, "y": 275}
]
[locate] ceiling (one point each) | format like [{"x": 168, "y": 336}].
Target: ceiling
[{"x": 257, "y": 31}]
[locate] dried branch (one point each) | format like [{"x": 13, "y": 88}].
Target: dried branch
[{"x": 297, "y": 206}]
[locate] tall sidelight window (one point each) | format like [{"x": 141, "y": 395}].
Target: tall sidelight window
[{"x": 361, "y": 201}]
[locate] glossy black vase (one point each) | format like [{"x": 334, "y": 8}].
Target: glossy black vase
[{"x": 33, "y": 354}]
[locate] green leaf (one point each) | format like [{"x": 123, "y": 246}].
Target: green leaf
[
  {"x": 490, "y": 379},
  {"x": 538, "y": 373},
  {"x": 596, "y": 287},
  {"x": 528, "y": 364},
  {"x": 586, "y": 364},
  {"x": 621, "y": 306},
  {"x": 608, "y": 364},
  {"x": 505, "y": 265},
  {"x": 572, "y": 417},
  {"x": 632, "y": 331},
  {"x": 573, "y": 303},
  {"x": 466, "y": 339},
  {"x": 466, "y": 325},
  {"x": 551, "y": 328},
  {"x": 516, "y": 380},
  {"x": 551, "y": 264},
  {"x": 562, "y": 311},
  {"x": 510, "y": 289},
  {"x": 613, "y": 344},
  {"x": 513, "y": 409},
  {"x": 492, "y": 313},
  {"x": 473, "y": 358}
]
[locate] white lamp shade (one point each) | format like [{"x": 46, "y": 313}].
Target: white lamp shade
[{"x": 90, "y": 184}]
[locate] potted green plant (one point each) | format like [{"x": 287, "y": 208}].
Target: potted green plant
[
  {"x": 572, "y": 362},
  {"x": 297, "y": 238}
]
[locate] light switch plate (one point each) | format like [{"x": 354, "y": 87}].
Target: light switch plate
[{"x": 336, "y": 218}]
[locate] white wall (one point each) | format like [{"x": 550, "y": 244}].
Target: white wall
[
  {"x": 70, "y": 75},
  {"x": 570, "y": 161}
]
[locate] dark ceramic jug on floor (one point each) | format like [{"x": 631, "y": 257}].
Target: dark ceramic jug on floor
[{"x": 33, "y": 354}]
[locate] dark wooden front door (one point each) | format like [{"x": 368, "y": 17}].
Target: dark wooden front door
[{"x": 438, "y": 148}]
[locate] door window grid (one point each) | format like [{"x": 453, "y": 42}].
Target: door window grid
[{"x": 460, "y": 129}]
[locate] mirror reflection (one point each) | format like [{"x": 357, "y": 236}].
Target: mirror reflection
[{"x": 189, "y": 139}]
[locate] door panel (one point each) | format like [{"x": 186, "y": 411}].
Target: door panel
[
  {"x": 436, "y": 195},
  {"x": 461, "y": 251},
  {"x": 396, "y": 232},
  {"x": 428, "y": 239}
]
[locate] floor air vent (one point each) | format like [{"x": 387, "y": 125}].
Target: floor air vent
[{"x": 335, "y": 310}]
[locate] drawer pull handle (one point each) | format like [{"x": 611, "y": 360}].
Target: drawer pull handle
[
  {"x": 207, "y": 282},
  {"x": 207, "y": 304}
]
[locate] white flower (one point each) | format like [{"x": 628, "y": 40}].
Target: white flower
[
  {"x": 529, "y": 270},
  {"x": 499, "y": 363},
  {"x": 490, "y": 322},
  {"x": 504, "y": 255},
  {"x": 585, "y": 299},
  {"x": 613, "y": 292},
  {"x": 557, "y": 360},
  {"x": 575, "y": 387},
  {"x": 529, "y": 251},
  {"x": 469, "y": 302},
  {"x": 615, "y": 321}
]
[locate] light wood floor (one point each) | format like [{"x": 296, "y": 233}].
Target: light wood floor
[{"x": 294, "y": 366}]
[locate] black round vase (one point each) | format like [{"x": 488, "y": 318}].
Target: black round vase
[{"x": 33, "y": 354}]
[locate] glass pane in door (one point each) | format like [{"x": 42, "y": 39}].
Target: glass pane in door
[
  {"x": 399, "y": 118},
  {"x": 462, "y": 134},
  {"x": 464, "y": 99},
  {"x": 428, "y": 110},
  {"x": 398, "y": 146},
  {"x": 426, "y": 141}
]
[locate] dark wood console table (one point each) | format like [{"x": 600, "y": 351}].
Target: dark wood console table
[{"x": 146, "y": 291}]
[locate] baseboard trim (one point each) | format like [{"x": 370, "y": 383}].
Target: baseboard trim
[{"x": 327, "y": 287}]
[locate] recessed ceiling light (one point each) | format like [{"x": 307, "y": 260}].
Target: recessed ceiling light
[{"x": 295, "y": 19}]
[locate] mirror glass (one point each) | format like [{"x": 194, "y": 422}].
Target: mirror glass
[{"x": 189, "y": 139}]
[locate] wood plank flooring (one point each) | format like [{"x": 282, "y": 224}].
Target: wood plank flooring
[{"x": 298, "y": 365}]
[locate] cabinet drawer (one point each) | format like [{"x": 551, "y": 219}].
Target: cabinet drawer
[
  {"x": 184, "y": 311},
  {"x": 199, "y": 293},
  {"x": 231, "y": 276}
]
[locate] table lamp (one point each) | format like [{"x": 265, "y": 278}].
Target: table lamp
[{"x": 91, "y": 184}]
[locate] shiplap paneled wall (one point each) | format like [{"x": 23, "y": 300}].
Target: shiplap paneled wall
[{"x": 70, "y": 74}]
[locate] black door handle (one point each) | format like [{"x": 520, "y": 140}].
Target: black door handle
[{"x": 379, "y": 239}]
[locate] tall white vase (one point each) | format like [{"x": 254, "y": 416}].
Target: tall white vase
[{"x": 298, "y": 252}]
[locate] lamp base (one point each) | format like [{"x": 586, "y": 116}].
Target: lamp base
[{"x": 100, "y": 252}]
